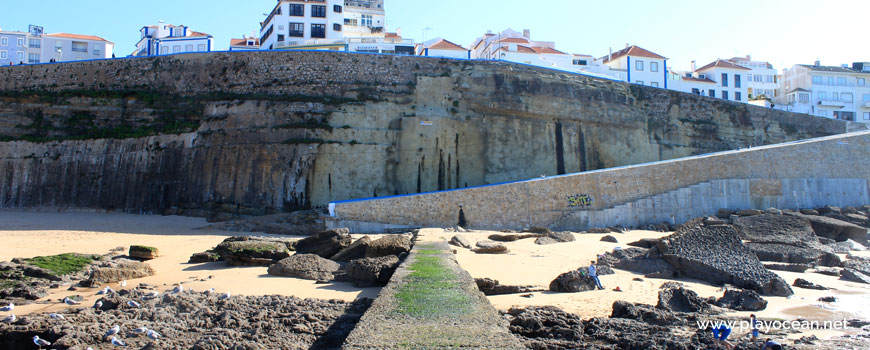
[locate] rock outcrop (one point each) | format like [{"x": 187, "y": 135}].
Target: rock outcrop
[
  {"x": 252, "y": 251},
  {"x": 143, "y": 252},
  {"x": 676, "y": 298},
  {"x": 802, "y": 283},
  {"x": 460, "y": 241},
  {"x": 324, "y": 244},
  {"x": 370, "y": 271},
  {"x": 742, "y": 300},
  {"x": 307, "y": 266},
  {"x": 119, "y": 270},
  {"x": 837, "y": 230},
  {"x": 356, "y": 250},
  {"x": 490, "y": 247},
  {"x": 388, "y": 245},
  {"x": 572, "y": 282},
  {"x": 490, "y": 286}
]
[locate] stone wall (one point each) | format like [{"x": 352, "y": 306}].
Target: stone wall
[
  {"x": 832, "y": 170},
  {"x": 262, "y": 132}
]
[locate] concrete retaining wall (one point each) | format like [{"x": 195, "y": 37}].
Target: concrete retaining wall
[{"x": 831, "y": 170}]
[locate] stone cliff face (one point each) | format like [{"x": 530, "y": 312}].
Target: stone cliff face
[{"x": 263, "y": 132}]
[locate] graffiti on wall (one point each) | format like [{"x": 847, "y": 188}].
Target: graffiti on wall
[{"x": 579, "y": 201}]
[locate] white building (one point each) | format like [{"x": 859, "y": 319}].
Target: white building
[
  {"x": 687, "y": 82},
  {"x": 730, "y": 80},
  {"x": 64, "y": 47},
  {"x": 761, "y": 80},
  {"x": 299, "y": 23},
  {"x": 637, "y": 65},
  {"x": 827, "y": 91},
  {"x": 13, "y": 47},
  {"x": 442, "y": 48},
  {"x": 246, "y": 43},
  {"x": 364, "y": 18},
  {"x": 165, "y": 39}
]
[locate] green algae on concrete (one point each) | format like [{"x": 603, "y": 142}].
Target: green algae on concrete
[{"x": 432, "y": 288}]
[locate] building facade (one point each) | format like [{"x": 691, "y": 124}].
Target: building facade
[
  {"x": 36, "y": 47},
  {"x": 761, "y": 80},
  {"x": 246, "y": 43},
  {"x": 364, "y": 18},
  {"x": 166, "y": 39},
  {"x": 730, "y": 80},
  {"x": 637, "y": 65},
  {"x": 827, "y": 91},
  {"x": 13, "y": 47},
  {"x": 442, "y": 48},
  {"x": 299, "y": 23}
]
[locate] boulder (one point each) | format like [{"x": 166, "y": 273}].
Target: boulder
[
  {"x": 680, "y": 299},
  {"x": 490, "y": 286},
  {"x": 562, "y": 237},
  {"x": 616, "y": 229},
  {"x": 603, "y": 270},
  {"x": 143, "y": 252},
  {"x": 787, "y": 267},
  {"x": 356, "y": 250},
  {"x": 389, "y": 245},
  {"x": 749, "y": 212},
  {"x": 203, "y": 257},
  {"x": 639, "y": 260},
  {"x": 251, "y": 251},
  {"x": 546, "y": 240},
  {"x": 724, "y": 213},
  {"x": 572, "y": 282},
  {"x": 510, "y": 237},
  {"x": 538, "y": 230},
  {"x": 784, "y": 253},
  {"x": 837, "y": 230},
  {"x": 802, "y": 283},
  {"x": 490, "y": 247},
  {"x": 710, "y": 221},
  {"x": 644, "y": 243},
  {"x": 854, "y": 276},
  {"x": 369, "y": 271},
  {"x": 716, "y": 254},
  {"x": 828, "y": 299},
  {"x": 609, "y": 239},
  {"x": 773, "y": 211},
  {"x": 845, "y": 247},
  {"x": 598, "y": 230},
  {"x": 742, "y": 300},
  {"x": 809, "y": 212},
  {"x": 778, "y": 229},
  {"x": 325, "y": 244},
  {"x": 861, "y": 265},
  {"x": 116, "y": 271},
  {"x": 829, "y": 209},
  {"x": 460, "y": 241},
  {"x": 306, "y": 266},
  {"x": 642, "y": 312},
  {"x": 828, "y": 271}
]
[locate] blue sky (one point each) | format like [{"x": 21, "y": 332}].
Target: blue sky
[{"x": 779, "y": 31}]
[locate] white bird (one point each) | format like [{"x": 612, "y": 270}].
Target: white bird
[
  {"x": 178, "y": 289},
  {"x": 132, "y": 303},
  {"x": 153, "y": 334},
  {"x": 57, "y": 316},
  {"x": 69, "y": 301},
  {"x": 118, "y": 342},
  {"x": 124, "y": 283},
  {"x": 140, "y": 330},
  {"x": 151, "y": 295},
  {"x": 40, "y": 342},
  {"x": 106, "y": 290},
  {"x": 7, "y": 308},
  {"x": 98, "y": 304},
  {"x": 225, "y": 296},
  {"x": 10, "y": 319},
  {"x": 115, "y": 330}
]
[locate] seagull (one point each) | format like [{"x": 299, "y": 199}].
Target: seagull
[
  {"x": 40, "y": 342},
  {"x": 113, "y": 331},
  {"x": 106, "y": 290},
  {"x": 225, "y": 296},
  {"x": 118, "y": 342},
  {"x": 178, "y": 289},
  {"x": 150, "y": 295},
  {"x": 140, "y": 330},
  {"x": 98, "y": 304},
  {"x": 7, "y": 308},
  {"x": 153, "y": 334},
  {"x": 57, "y": 316},
  {"x": 10, "y": 319},
  {"x": 69, "y": 301},
  {"x": 132, "y": 303}
]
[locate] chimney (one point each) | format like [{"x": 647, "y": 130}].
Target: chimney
[
  {"x": 626, "y": 45},
  {"x": 610, "y": 55},
  {"x": 693, "y": 66},
  {"x": 399, "y": 32},
  {"x": 527, "y": 34},
  {"x": 818, "y": 63}
]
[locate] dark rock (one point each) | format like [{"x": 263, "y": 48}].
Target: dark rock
[
  {"x": 716, "y": 254},
  {"x": 562, "y": 237},
  {"x": 778, "y": 229},
  {"x": 787, "y": 267},
  {"x": 546, "y": 241},
  {"x": 460, "y": 241},
  {"x": 679, "y": 299},
  {"x": 324, "y": 244},
  {"x": 809, "y": 212},
  {"x": 644, "y": 313},
  {"x": 773, "y": 211},
  {"x": 307, "y": 266},
  {"x": 203, "y": 257},
  {"x": 368, "y": 271},
  {"x": 572, "y": 282},
  {"x": 38, "y": 272},
  {"x": 809, "y": 340},
  {"x": 143, "y": 252},
  {"x": 491, "y": 287},
  {"x": 854, "y": 276},
  {"x": 828, "y": 299},
  {"x": 645, "y": 261},
  {"x": 828, "y": 271},
  {"x": 389, "y": 245},
  {"x": 603, "y": 270},
  {"x": 556, "y": 328},
  {"x": 538, "y": 230},
  {"x": 504, "y": 237},
  {"x": 725, "y": 213},
  {"x": 713, "y": 221},
  {"x": 749, "y": 212},
  {"x": 610, "y": 239},
  {"x": 742, "y": 300},
  {"x": 845, "y": 247},
  {"x": 784, "y": 253},
  {"x": 858, "y": 264},
  {"x": 356, "y": 250},
  {"x": 645, "y": 243},
  {"x": 490, "y": 247},
  {"x": 615, "y": 229},
  {"x": 829, "y": 209},
  {"x": 802, "y": 283},
  {"x": 826, "y": 241},
  {"x": 116, "y": 271},
  {"x": 837, "y": 230},
  {"x": 598, "y": 230},
  {"x": 251, "y": 251}
]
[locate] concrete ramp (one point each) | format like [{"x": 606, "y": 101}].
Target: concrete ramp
[
  {"x": 431, "y": 303},
  {"x": 831, "y": 170}
]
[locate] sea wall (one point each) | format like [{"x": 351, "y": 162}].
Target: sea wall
[{"x": 264, "y": 132}]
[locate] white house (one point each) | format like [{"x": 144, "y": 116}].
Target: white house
[
  {"x": 364, "y": 18},
  {"x": 442, "y": 48},
  {"x": 297, "y": 23},
  {"x": 827, "y": 91},
  {"x": 165, "y": 39},
  {"x": 246, "y": 43},
  {"x": 13, "y": 47},
  {"x": 730, "y": 80},
  {"x": 64, "y": 47},
  {"x": 687, "y": 82},
  {"x": 760, "y": 80},
  {"x": 637, "y": 65}
]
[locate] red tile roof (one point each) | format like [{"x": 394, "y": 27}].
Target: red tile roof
[
  {"x": 391, "y": 35},
  {"x": 446, "y": 45},
  {"x": 243, "y": 42},
  {"x": 547, "y": 50},
  {"x": 515, "y": 40},
  {"x": 520, "y": 49},
  {"x": 633, "y": 50},
  {"x": 195, "y": 33},
  {"x": 77, "y": 36},
  {"x": 721, "y": 64}
]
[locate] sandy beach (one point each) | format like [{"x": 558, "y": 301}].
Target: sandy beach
[{"x": 27, "y": 234}]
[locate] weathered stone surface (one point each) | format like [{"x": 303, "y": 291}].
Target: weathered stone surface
[
  {"x": 837, "y": 230},
  {"x": 845, "y": 247},
  {"x": 490, "y": 286},
  {"x": 646, "y": 261},
  {"x": 562, "y": 237},
  {"x": 809, "y": 212},
  {"x": 114, "y": 271},
  {"x": 460, "y": 241},
  {"x": 572, "y": 282},
  {"x": 598, "y": 230},
  {"x": 742, "y": 300},
  {"x": 203, "y": 257},
  {"x": 787, "y": 267},
  {"x": 749, "y": 212},
  {"x": 251, "y": 251},
  {"x": 546, "y": 241},
  {"x": 609, "y": 239},
  {"x": 724, "y": 213},
  {"x": 828, "y": 271},
  {"x": 490, "y": 247},
  {"x": 307, "y": 266},
  {"x": 510, "y": 237},
  {"x": 538, "y": 230},
  {"x": 388, "y": 245},
  {"x": 143, "y": 252},
  {"x": 784, "y": 253},
  {"x": 356, "y": 250},
  {"x": 679, "y": 299},
  {"x": 802, "y": 283},
  {"x": 368, "y": 271},
  {"x": 780, "y": 229},
  {"x": 854, "y": 276},
  {"x": 716, "y": 254},
  {"x": 645, "y": 243},
  {"x": 858, "y": 264},
  {"x": 645, "y": 313},
  {"x": 325, "y": 244}
]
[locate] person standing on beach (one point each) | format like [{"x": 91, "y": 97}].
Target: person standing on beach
[
  {"x": 594, "y": 274},
  {"x": 753, "y": 322}
]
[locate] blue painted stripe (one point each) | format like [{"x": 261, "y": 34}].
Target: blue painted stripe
[
  {"x": 666, "y": 74},
  {"x": 628, "y": 58}
]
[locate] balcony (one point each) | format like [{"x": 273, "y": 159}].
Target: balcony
[
  {"x": 832, "y": 103},
  {"x": 866, "y": 104}
]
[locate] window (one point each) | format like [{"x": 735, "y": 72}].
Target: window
[
  {"x": 580, "y": 62},
  {"x": 280, "y": 38},
  {"x": 804, "y": 97},
  {"x": 724, "y": 95},
  {"x": 4, "y": 41},
  {"x": 860, "y": 81},
  {"x": 846, "y": 97},
  {"x": 639, "y": 82},
  {"x": 653, "y": 66},
  {"x": 336, "y": 8},
  {"x": 725, "y": 81},
  {"x": 836, "y": 96},
  {"x": 297, "y": 10},
  {"x": 336, "y": 27},
  {"x": 96, "y": 52},
  {"x": 188, "y": 48},
  {"x": 712, "y": 93},
  {"x": 769, "y": 79},
  {"x": 737, "y": 96},
  {"x": 297, "y": 30},
  {"x": 318, "y": 31},
  {"x": 841, "y": 81},
  {"x": 35, "y": 43},
  {"x": 164, "y": 50},
  {"x": 20, "y": 42},
  {"x": 21, "y": 56},
  {"x": 653, "y": 84},
  {"x": 696, "y": 91},
  {"x": 351, "y": 22},
  {"x": 866, "y": 115},
  {"x": 366, "y": 20},
  {"x": 830, "y": 80},
  {"x": 318, "y": 11},
  {"x": 823, "y": 95},
  {"x": 79, "y": 46},
  {"x": 866, "y": 97},
  {"x": 3, "y": 54},
  {"x": 176, "y": 48},
  {"x": 638, "y": 65},
  {"x": 200, "y": 47},
  {"x": 737, "y": 82},
  {"x": 33, "y": 58},
  {"x": 817, "y": 79}
]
